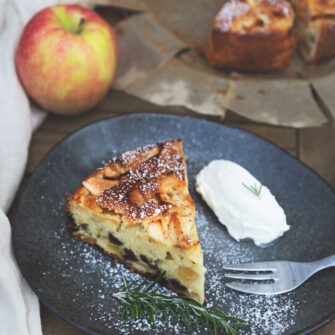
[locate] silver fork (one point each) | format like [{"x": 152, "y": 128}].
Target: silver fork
[{"x": 284, "y": 276}]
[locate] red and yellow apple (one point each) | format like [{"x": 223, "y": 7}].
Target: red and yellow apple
[{"x": 66, "y": 58}]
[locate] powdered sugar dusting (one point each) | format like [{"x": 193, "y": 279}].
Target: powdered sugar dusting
[{"x": 133, "y": 156}]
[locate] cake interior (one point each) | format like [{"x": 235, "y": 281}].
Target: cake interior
[{"x": 183, "y": 272}]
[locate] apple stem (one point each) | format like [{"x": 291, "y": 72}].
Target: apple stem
[{"x": 80, "y": 26}]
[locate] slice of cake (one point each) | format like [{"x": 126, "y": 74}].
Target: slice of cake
[
  {"x": 316, "y": 26},
  {"x": 138, "y": 209},
  {"x": 253, "y": 35}
]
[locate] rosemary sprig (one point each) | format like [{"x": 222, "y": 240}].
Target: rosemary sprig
[
  {"x": 140, "y": 302},
  {"x": 254, "y": 189}
]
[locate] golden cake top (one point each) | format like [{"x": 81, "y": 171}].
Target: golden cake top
[
  {"x": 254, "y": 16},
  {"x": 318, "y": 9},
  {"x": 146, "y": 186},
  {"x": 139, "y": 191}
]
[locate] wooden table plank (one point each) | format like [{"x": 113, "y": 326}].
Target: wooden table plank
[
  {"x": 52, "y": 324},
  {"x": 317, "y": 150}
]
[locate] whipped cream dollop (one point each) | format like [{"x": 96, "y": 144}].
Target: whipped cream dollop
[{"x": 224, "y": 186}]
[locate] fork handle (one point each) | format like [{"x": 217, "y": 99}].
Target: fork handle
[{"x": 323, "y": 263}]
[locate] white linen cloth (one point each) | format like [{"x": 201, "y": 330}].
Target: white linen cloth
[{"x": 19, "y": 307}]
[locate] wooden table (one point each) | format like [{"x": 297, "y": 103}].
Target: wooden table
[{"x": 313, "y": 146}]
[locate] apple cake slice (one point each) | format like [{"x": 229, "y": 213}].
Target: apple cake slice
[{"x": 138, "y": 209}]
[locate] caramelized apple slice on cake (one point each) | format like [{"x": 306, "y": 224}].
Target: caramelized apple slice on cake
[{"x": 138, "y": 209}]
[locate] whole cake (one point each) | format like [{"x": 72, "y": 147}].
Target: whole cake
[
  {"x": 138, "y": 209},
  {"x": 253, "y": 35},
  {"x": 316, "y": 26}
]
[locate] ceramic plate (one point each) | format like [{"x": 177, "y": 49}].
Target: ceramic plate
[{"x": 76, "y": 281}]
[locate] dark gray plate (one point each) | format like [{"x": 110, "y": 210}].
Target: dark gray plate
[{"x": 76, "y": 281}]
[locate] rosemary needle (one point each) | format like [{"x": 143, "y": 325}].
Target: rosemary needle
[
  {"x": 254, "y": 189},
  {"x": 140, "y": 302}
]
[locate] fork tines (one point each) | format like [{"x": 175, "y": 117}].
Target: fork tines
[{"x": 243, "y": 272}]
